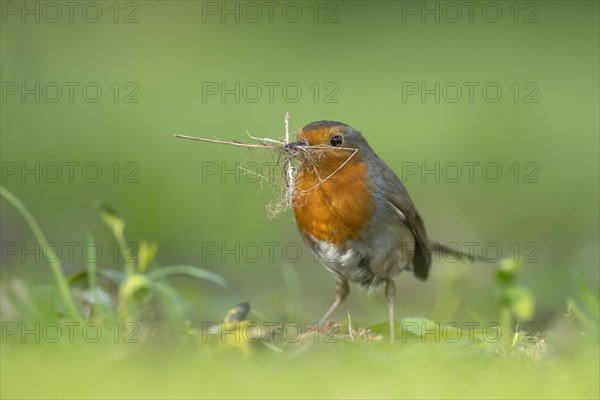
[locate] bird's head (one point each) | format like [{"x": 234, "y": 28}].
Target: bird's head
[{"x": 328, "y": 144}]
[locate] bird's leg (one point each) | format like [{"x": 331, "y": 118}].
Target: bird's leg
[
  {"x": 390, "y": 291},
  {"x": 342, "y": 290}
]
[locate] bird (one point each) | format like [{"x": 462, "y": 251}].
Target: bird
[{"x": 355, "y": 214}]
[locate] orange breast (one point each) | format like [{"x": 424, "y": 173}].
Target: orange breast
[{"x": 336, "y": 209}]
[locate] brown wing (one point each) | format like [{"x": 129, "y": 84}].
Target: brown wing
[{"x": 398, "y": 197}]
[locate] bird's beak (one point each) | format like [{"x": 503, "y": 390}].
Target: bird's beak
[{"x": 295, "y": 145}]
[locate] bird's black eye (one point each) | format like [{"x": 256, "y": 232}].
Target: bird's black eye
[{"x": 337, "y": 141}]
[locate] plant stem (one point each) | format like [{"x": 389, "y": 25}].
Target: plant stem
[{"x": 55, "y": 264}]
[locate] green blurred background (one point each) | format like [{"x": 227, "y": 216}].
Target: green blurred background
[{"x": 365, "y": 52}]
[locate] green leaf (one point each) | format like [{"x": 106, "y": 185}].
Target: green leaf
[
  {"x": 116, "y": 276},
  {"x": 111, "y": 219},
  {"x": 476, "y": 317},
  {"x": 146, "y": 254},
  {"x": 189, "y": 270},
  {"x": 521, "y": 302},
  {"x": 77, "y": 278},
  {"x": 589, "y": 298},
  {"x": 507, "y": 269},
  {"x": 170, "y": 297},
  {"x": 581, "y": 316},
  {"x": 92, "y": 268},
  {"x": 132, "y": 284}
]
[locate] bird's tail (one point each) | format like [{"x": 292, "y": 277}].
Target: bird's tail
[{"x": 457, "y": 253}]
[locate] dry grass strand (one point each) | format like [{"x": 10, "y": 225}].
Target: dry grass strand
[{"x": 291, "y": 160}]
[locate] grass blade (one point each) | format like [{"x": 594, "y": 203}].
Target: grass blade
[
  {"x": 55, "y": 264},
  {"x": 189, "y": 270}
]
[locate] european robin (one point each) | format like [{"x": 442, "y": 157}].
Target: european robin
[{"x": 354, "y": 212}]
